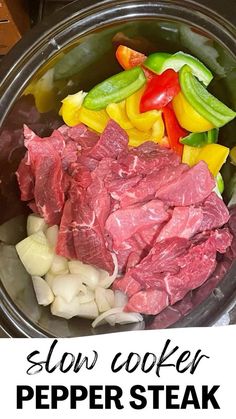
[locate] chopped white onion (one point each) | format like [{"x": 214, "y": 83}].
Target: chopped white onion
[
  {"x": 52, "y": 235},
  {"x": 117, "y": 316},
  {"x": 88, "y": 310},
  {"x": 49, "y": 278},
  {"x": 61, "y": 308},
  {"x": 101, "y": 300},
  {"x": 100, "y": 319},
  {"x": 110, "y": 296},
  {"x": 35, "y": 224},
  {"x": 121, "y": 299},
  {"x": 59, "y": 265},
  {"x": 88, "y": 273},
  {"x": 67, "y": 287},
  {"x": 105, "y": 279},
  {"x": 124, "y": 318},
  {"x": 35, "y": 254},
  {"x": 86, "y": 297},
  {"x": 42, "y": 290}
]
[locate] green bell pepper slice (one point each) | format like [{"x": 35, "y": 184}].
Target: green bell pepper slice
[
  {"x": 202, "y": 101},
  {"x": 159, "y": 62},
  {"x": 199, "y": 139},
  {"x": 220, "y": 183},
  {"x": 115, "y": 89}
]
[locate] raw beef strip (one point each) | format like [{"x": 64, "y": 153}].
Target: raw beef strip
[
  {"x": 147, "y": 187},
  {"x": 132, "y": 250},
  {"x": 197, "y": 265},
  {"x": 69, "y": 155},
  {"x": 123, "y": 223},
  {"x": 185, "y": 222},
  {"x": 119, "y": 187},
  {"x": 45, "y": 160},
  {"x": 80, "y": 174},
  {"x": 145, "y": 160},
  {"x": 79, "y": 134},
  {"x": 215, "y": 213},
  {"x": 99, "y": 199},
  {"x": 160, "y": 259},
  {"x": 112, "y": 142},
  {"x": 128, "y": 285},
  {"x": 150, "y": 301},
  {"x": 25, "y": 179},
  {"x": 56, "y": 139},
  {"x": 192, "y": 187},
  {"x": 80, "y": 236},
  {"x": 87, "y": 162}
]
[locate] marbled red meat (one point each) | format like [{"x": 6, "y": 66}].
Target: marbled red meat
[
  {"x": 80, "y": 234},
  {"x": 157, "y": 215},
  {"x": 192, "y": 187},
  {"x": 112, "y": 142},
  {"x": 124, "y": 223}
]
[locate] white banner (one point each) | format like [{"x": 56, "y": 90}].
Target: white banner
[{"x": 143, "y": 374}]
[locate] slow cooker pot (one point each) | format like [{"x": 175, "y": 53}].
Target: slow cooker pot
[{"x": 73, "y": 50}]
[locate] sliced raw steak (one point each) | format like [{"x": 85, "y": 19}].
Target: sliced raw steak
[
  {"x": 192, "y": 187},
  {"x": 79, "y": 134},
  {"x": 151, "y": 301},
  {"x": 25, "y": 179},
  {"x": 148, "y": 186},
  {"x": 112, "y": 142},
  {"x": 145, "y": 160},
  {"x": 45, "y": 160},
  {"x": 80, "y": 236},
  {"x": 185, "y": 222},
  {"x": 215, "y": 213},
  {"x": 123, "y": 223}
]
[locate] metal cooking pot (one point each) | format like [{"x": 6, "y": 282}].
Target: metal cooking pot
[{"x": 74, "y": 49}]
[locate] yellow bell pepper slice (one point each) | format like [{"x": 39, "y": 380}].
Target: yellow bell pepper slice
[
  {"x": 214, "y": 155},
  {"x": 190, "y": 155},
  {"x": 117, "y": 112},
  {"x": 188, "y": 117},
  {"x": 70, "y": 109},
  {"x": 156, "y": 134},
  {"x": 96, "y": 120},
  {"x": 142, "y": 121},
  {"x": 44, "y": 92}
]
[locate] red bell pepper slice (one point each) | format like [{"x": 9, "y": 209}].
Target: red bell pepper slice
[
  {"x": 174, "y": 131},
  {"x": 128, "y": 57},
  {"x": 160, "y": 90}
]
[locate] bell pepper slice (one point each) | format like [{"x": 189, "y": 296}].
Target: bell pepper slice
[
  {"x": 159, "y": 62},
  {"x": 128, "y": 57},
  {"x": 208, "y": 106},
  {"x": 117, "y": 112},
  {"x": 214, "y": 155},
  {"x": 156, "y": 134},
  {"x": 44, "y": 92},
  {"x": 115, "y": 89},
  {"x": 199, "y": 139},
  {"x": 190, "y": 155},
  {"x": 220, "y": 183},
  {"x": 70, "y": 109},
  {"x": 96, "y": 120},
  {"x": 142, "y": 121},
  {"x": 160, "y": 91},
  {"x": 174, "y": 131},
  {"x": 188, "y": 117}
]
